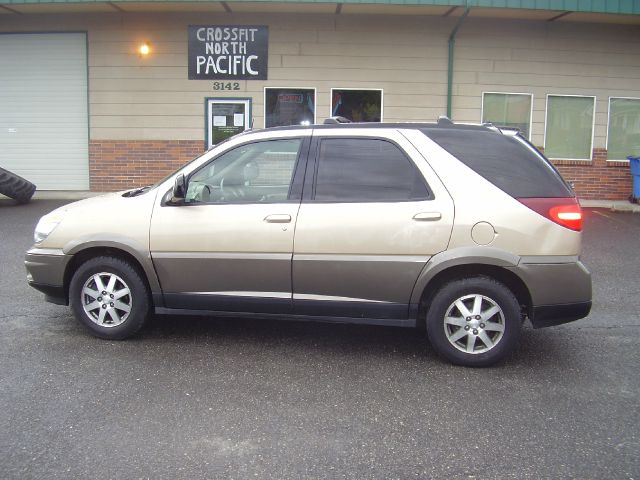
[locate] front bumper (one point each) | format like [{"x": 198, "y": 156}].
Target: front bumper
[{"x": 45, "y": 272}]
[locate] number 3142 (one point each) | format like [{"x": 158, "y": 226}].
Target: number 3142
[{"x": 226, "y": 85}]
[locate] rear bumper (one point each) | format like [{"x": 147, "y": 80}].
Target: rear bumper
[
  {"x": 45, "y": 273},
  {"x": 560, "y": 289},
  {"x": 550, "y": 315},
  {"x": 556, "y": 281}
]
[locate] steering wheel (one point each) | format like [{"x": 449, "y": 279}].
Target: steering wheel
[{"x": 229, "y": 193}]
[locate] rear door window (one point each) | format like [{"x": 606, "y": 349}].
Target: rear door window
[{"x": 366, "y": 170}]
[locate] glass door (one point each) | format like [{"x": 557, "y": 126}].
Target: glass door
[{"x": 226, "y": 117}]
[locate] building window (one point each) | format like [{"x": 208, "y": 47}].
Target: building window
[
  {"x": 511, "y": 110},
  {"x": 357, "y": 105},
  {"x": 289, "y": 106},
  {"x": 569, "y": 127},
  {"x": 623, "y": 136}
]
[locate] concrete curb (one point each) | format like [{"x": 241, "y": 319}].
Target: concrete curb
[
  {"x": 64, "y": 195},
  {"x": 614, "y": 205},
  {"x": 59, "y": 195}
]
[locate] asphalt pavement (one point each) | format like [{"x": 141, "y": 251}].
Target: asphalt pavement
[{"x": 227, "y": 398}]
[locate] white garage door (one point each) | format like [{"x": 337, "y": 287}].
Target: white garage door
[{"x": 43, "y": 109}]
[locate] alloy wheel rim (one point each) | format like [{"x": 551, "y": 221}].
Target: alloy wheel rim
[
  {"x": 106, "y": 299},
  {"x": 474, "y": 324}
]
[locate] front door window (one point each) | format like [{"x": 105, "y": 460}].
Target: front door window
[{"x": 259, "y": 172}]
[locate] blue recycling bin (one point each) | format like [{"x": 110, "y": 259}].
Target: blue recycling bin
[{"x": 634, "y": 163}]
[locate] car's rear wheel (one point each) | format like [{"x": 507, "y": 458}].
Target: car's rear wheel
[
  {"x": 474, "y": 322},
  {"x": 109, "y": 297}
]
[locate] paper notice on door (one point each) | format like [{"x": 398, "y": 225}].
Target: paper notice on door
[
  {"x": 219, "y": 121},
  {"x": 238, "y": 119}
]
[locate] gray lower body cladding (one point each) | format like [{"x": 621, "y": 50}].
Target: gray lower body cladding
[
  {"x": 45, "y": 272},
  {"x": 560, "y": 292}
]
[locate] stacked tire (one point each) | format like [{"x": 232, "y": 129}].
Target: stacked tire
[{"x": 16, "y": 187}]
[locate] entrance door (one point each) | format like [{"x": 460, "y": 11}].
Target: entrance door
[
  {"x": 229, "y": 247},
  {"x": 227, "y": 117}
]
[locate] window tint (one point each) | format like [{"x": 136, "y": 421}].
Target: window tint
[
  {"x": 366, "y": 170},
  {"x": 256, "y": 172},
  {"x": 510, "y": 163}
]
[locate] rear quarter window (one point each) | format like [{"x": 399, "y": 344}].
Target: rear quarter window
[{"x": 510, "y": 163}]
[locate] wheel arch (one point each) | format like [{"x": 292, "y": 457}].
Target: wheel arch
[
  {"x": 93, "y": 250},
  {"x": 450, "y": 267}
]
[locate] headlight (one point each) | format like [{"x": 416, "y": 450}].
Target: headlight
[{"x": 46, "y": 225}]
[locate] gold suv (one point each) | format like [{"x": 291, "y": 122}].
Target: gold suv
[{"x": 464, "y": 230}]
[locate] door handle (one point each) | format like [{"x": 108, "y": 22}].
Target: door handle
[
  {"x": 278, "y": 218},
  {"x": 427, "y": 216}
]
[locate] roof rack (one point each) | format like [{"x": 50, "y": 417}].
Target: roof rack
[
  {"x": 491, "y": 127},
  {"x": 444, "y": 120},
  {"x": 336, "y": 120}
]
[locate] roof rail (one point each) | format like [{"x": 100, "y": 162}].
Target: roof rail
[
  {"x": 336, "y": 120},
  {"x": 492, "y": 127},
  {"x": 444, "y": 120}
]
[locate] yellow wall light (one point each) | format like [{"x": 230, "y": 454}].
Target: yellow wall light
[{"x": 144, "y": 49}]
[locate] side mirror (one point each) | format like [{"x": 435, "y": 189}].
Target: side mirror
[{"x": 179, "y": 189}]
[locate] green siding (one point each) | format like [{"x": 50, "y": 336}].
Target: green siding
[
  {"x": 631, "y": 7},
  {"x": 591, "y": 6}
]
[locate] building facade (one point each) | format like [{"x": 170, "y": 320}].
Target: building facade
[{"x": 112, "y": 95}]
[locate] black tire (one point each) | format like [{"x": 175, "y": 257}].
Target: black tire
[
  {"x": 15, "y": 187},
  {"x": 126, "y": 277},
  {"x": 452, "y": 330}
]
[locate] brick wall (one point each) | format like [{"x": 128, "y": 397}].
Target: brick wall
[
  {"x": 597, "y": 179},
  {"x": 121, "y": 164}
]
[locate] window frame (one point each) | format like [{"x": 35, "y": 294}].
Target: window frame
[
  {"x": 311, "y": 178},
  {"x": 264, "y": 105},
  {"x": 626, "y": 160},
  {"x": 353, "y": 89},
  {"x": 593, "y": 125},
  {"x": 295, "y": 185},
  {"x": 510, "y": 93}
]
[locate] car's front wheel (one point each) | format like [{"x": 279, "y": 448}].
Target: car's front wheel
[
  {"x": 474, "y": 322},
  {"x": 109, "y": 297}
]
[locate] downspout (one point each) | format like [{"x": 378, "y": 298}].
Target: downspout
[{"x": 452, "y": 43}]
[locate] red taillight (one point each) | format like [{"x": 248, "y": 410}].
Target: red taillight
[{"x": 563, "y": 211}]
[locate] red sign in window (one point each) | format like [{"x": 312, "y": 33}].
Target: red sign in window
[{"x": 290, "y": 98}]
